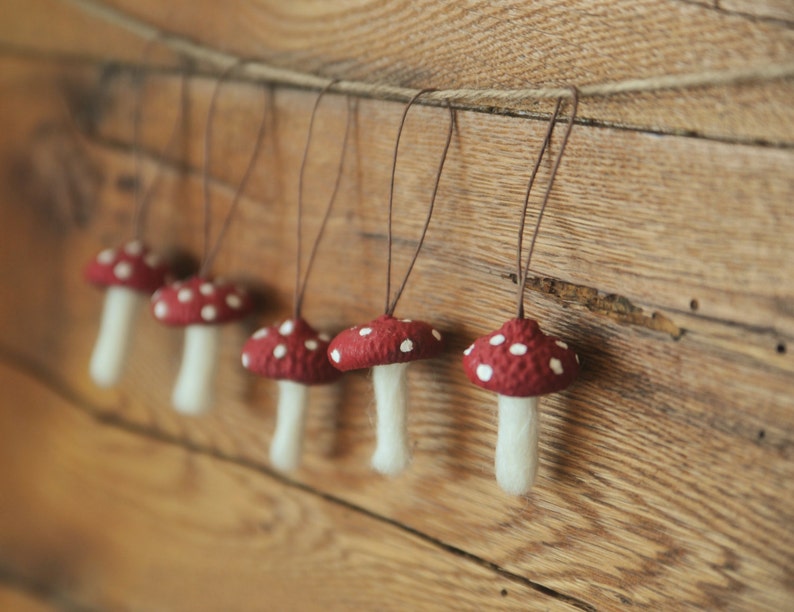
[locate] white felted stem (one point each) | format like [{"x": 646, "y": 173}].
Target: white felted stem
[
  {"x": 391, "y": 452},
  {"x": 287, "y": 444},
  {"x": 115, "y": 333},
  {"x": 517, "y": 444},
  {"x": 193, "y": 390}
]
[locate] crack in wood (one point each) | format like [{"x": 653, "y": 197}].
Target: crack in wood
[
  {"x": 106, "y": 417},
  {"x": 617, "y": 307}
]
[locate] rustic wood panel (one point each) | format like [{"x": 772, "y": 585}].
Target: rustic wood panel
[
  {"x": 666, "y": 472},
  {"x": 481, "y": 44},
  {"x": 153, "y": 526}
]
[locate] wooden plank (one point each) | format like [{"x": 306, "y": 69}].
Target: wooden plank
[
  {"x": 667, "y": 469},
  {"x": 483, "y": 44},
  {"x": 114, "y": 520}
]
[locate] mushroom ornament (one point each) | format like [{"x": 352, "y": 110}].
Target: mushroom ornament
[
  {"x": 519, "y": 363},
  {"x": 130, "y": 274},
  {"x": 387, "y": 345},
  {"x": 200, "y": 306},
  {"x": 294, "y": 354}
]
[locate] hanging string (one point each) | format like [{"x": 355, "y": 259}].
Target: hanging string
[
  {"x": 300, "y": 286},
  {"x": 211, "y": 252},
  {"x": 391, "y": 306},
  {"x": 522, "y": 274},
  {"x": 143, "y": 198},
  {"x": 765, "y": 70}
]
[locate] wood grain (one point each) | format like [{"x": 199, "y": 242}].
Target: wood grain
[
  {"x": 666, "y": 471},
  {"x": 504, "y": 44}
]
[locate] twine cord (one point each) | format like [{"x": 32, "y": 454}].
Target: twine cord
[{"x": 262, "y": 71}]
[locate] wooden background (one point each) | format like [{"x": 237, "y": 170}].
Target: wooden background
[{"x": 665, "y": 258}]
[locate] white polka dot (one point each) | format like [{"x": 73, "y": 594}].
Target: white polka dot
[
  {"x": 496, "y": 340},
  {"x": 233, "y": 301},
  {"x": 209, "y": 312},
  {"x": 407, "y": 346},
  {"x": 160, "y": 310},
  {"x": 325, "y": 337},
  {"x": 311, "y": 345},
  {"x": 405, "y": 320},
  {"x": 122, "y": 270},
  {"x": 577, "y": 358},
  {"x": 518, "y": 349},
  {"x": 152, "y": 260},
  {"x": 484, "y": 372},
  {"x": 156, "y": 295},
  {"x": 260, "y": 333},
  {"x": 207, "y": 289},
  {"x": 246, "y": 360},
  {"x": 106, "y": 256},
  {"x": 555, "y": 365},
  {"x": 437, "y": 334},
  {"x": 287, "y": 327},
  {"x": 561, "y": 344},
  {"x": 335, "y": 355},
  {"x": 279, "y": 351},
  {"x": 184, "y": 295},
  {"x": 133, "y": 248},
  {"x": 469, "y": 350},
  {"x": 365, "y": 331}
]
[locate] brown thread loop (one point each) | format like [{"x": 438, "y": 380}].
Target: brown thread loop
[
  {"x": 210, "y": 253},
  {"x": 143, "y": 199},
  {"x": 390, "y": 307},
  {"x": 300, "y": 287},
  {"x": 522, "y": 274}
]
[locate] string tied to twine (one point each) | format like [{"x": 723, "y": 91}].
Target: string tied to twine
[
  {"x": 211, "y": 251},
  {"x": 523, "y": 271},
  {"x": 391, "y": 303},
  {"x": 143, "y": 198},
  {"x": 300, "y": 285}
]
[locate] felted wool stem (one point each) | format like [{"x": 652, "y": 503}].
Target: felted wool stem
[
  {"x": 517, "y": 444},
  {"x": 194, "y": 385},
  {"x": 287, "y": 444},
  {"x": 391, "y": 452},
  {"x": 115, "y": 333}
]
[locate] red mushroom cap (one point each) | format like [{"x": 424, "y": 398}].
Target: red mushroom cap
[
  {"x": 519, "y": 360},
  {"x": 132, "y": 265},
  {"x": 199, "y": 301},
  {"x": 292, "y": 351},
  {"x": 383, "y": 341}
]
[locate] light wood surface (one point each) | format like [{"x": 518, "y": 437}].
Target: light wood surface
[{"x": 666, "y": 471}]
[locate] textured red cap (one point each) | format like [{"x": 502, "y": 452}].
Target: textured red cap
[
  {"x": 383, "y": 341},
  {"x": 292, "y": 351},
  {"x": 519, "y": 360},
  {"x": 132, "y": 265},
  {"x": 200, "y": 301}
]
